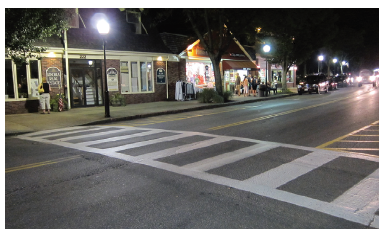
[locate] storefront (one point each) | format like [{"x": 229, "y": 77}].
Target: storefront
[
  {"x": 200, "y": 71},
  {"x": 79, "y": 71}
]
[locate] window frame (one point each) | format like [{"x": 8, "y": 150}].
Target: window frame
[
  {"x": 139, "y": 79},
  {"x": 28, "y": 72}
]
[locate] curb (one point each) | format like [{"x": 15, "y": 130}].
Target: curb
[{"x": 204, "y": 107}]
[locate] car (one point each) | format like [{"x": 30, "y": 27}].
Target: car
[
  {"x": 366, "y": 77},
  {"x": 332, "y": 83},
  {"x": 313, "y": 83},
  {"x": 342, "y": 80}
]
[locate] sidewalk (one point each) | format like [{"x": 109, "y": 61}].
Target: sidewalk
[{"x": 16, "y": 124}]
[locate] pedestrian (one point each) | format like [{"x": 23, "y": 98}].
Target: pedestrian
[
  {"x": 249, "y": 79},
  {"x": 238, "y": 84},
  {"x": 45, "y": 96},
  {"x": 245, "y": 86},
  {"x": 254, "y": 85}
]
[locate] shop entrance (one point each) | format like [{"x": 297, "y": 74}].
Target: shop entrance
[{"x": 86, "y": 83}]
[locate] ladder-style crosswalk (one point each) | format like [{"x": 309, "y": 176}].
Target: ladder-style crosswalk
[{"x": 343, "y": 185}]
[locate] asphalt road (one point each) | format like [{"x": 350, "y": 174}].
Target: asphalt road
[{"x": 247, "y": 166}]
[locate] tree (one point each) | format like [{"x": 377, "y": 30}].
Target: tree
[
  {"x": 295, "y": 34},
  {"x": 23, "y": 26},
  {"x": 215, "y": 28}
]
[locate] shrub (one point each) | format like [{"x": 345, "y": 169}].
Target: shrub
[
  {"x": 210, "y": 95},
  {"x": 206, "y": 96},
  {"x": 228, "y": 95},
  {"x": 218, "y": 99}
]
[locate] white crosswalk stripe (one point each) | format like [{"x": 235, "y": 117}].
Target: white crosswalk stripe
[{"x": 358, "y": 204}]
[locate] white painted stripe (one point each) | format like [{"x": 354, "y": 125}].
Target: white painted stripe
[
  {"x": 376, "y": 222},
  {"x": 112, "y": 139},
  {"x": 286, "y": 172},
  {"x": 230, "y": 157},
  {"x": 147, "y": 142},
  {"x": 362, "y": 195},
  {"x": 93, "y": 135},
  {"x": 182, "y": 149}
]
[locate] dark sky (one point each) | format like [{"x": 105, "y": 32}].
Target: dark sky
[{"x": 355, "y": 20}]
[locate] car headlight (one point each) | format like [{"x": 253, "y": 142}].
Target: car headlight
[
  {"x": 359, "y": 79},
  {"x": 372, "y": 78}
]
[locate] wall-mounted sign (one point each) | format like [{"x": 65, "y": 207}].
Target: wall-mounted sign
[
  {"x": 53, "y": 75},
  {"x": 112, "y": 79},
  {"x": 160, "y": 76}
]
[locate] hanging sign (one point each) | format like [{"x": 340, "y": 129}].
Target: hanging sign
[
  {"x": 160, "y": 76},
  {"x": 112, "y": 79},
  {"x": 53, "y": 75}
]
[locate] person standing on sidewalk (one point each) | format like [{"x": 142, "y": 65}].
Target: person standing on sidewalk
[
  {"x": 238, "y": 84},
  {"x": 45, "y": 96},
  {"x": 249, "y": 79},
  {"x": 245, "y": 87},
  {"x": 254, "y": 85}
]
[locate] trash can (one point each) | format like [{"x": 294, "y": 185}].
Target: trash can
[{"x": 261, "y": 90}]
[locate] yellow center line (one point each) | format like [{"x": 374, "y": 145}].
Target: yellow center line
[
  {"x": 34, "y": 165},
  {"x": 270, "y": 116},
  {"x": 358, "y": 141},
  {"x": 323, "y": 146}
]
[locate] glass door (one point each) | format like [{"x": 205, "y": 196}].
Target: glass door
[{"x": 85, "y": 87}]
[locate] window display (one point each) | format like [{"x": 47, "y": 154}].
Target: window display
[{"x": 202, "y": 74}]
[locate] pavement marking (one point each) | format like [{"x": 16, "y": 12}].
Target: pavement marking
[
  {"x": 362, "y": 210},
  {"x": 352, "y": 134},
  {"x": 270, "y": 116},
  {"x": 34, "y": 165},
  {"x": 162, "y": 119}
]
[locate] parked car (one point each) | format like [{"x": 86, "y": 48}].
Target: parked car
[
  {"x": 332, "y": 83},
  {"x": 342, "y": 80},
  {"x": 313, "y": 83}
]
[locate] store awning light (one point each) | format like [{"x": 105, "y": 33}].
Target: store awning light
[{"x": 159, "y": 58}]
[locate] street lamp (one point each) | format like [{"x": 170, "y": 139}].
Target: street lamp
[
  {"x": 104, "y": 28},
  {"x": 335, "y": 61},
  {"x": 266, "y": 49},
  {"x": 320, "y": 59}
]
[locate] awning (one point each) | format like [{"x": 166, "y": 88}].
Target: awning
[{"x": 238, "y": 65}]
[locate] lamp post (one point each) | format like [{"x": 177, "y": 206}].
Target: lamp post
[
  {"x": 335, "y": 61},
  {"x": 266, "y": 49},
  {"x": 320, "y": 59},
  {"x": 104, "y": 28}
]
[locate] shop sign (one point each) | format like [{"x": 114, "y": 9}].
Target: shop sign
[
  {"x": 112, "y": 79},
  {"x": 53, "y": 75},
  {"x": 160, "y": 76}
]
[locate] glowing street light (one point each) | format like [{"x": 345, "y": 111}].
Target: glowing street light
[
  {"x": 104, "y": 28},
  {"x": 320, "y": 59},
  {"x": 335, "y": 61}
]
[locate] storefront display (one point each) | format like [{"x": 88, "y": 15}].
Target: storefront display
[{"x": 200, "y": 73}]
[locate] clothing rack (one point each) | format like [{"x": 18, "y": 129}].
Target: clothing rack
[{"x": 184, "y": 91}]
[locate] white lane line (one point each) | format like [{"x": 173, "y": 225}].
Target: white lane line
[
  {"x": 361, "y": 196},
  {"x": 112, "y": 139},
  {"x": 230, "y": 157},
  {"x": 181, "y": 149},
  {"x": 284, "y": 173}
]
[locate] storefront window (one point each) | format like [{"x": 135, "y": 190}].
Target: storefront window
[
  {"x": 138, "y": 78},
  {"x": 9, "y": 90},
  {"x": 200, "y": 73},
  {"x": 143, "y": 75},
  {"x": 18, "y": 82}
]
